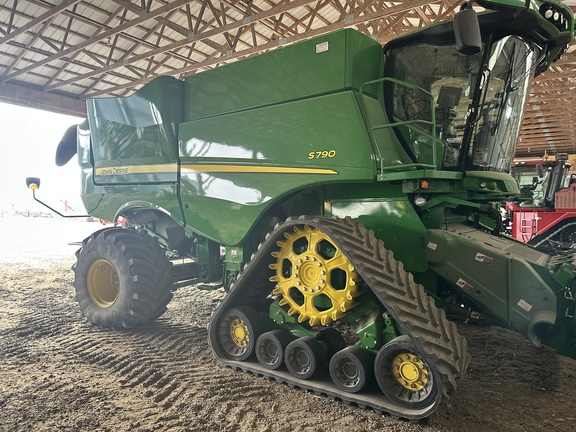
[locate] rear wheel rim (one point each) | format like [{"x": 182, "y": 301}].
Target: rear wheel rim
[
  {"x": 103, "y": 283},
  {"x": 409, "y": 371}
]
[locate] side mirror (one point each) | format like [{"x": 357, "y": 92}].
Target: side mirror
[
  {"x": 32, "y": 183},
  {"x": 467, "y": 31},
  {"x": 67, "y": 147}
]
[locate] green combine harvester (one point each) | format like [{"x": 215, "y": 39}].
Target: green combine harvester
[{"x": 342, "y": 194}]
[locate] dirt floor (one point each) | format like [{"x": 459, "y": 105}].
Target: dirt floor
[{"x": 59, "y": 373}]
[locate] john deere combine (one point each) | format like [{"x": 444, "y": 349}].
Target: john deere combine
[{"x": 340, "y": 193}]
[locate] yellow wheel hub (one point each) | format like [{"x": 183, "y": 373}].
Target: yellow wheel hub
[
  {"x": 409, "y": 371},
  {"x": 314, "y": 278},
  {"x": 103, "y": 283},
  {"x": 239, "y": 333}
]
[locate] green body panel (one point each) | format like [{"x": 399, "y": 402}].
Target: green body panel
[
  {"x": 386, "y": 154},
  {"x": 490, "y": 183},
  {"x": 427, "y": 150},
  {"x": 395, "y": 222},
  {"x": 91, "y": 193},
  {"x": 235, "y": 166},
  {"x": 287, "y": 73}
]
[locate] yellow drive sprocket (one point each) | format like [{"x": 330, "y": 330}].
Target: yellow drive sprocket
[{"x": 313, "y": 276}]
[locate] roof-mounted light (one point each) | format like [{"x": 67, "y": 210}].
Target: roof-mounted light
[{"x": 555, "y": 16}]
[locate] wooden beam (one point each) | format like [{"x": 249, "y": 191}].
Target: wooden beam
[
  {"x": 392, "y": 10},
  {"x": 29, "y": 96}
]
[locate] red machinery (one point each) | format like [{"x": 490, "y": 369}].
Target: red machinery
[{"x": 550, "y": 213}]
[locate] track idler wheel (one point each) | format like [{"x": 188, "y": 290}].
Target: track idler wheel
[
  {"x": 270, "y": 348},
  {"x": 568, "y": 234},
  {"x": 305, "y": 356},
  {"x": 238, "y": 330},
  {"x": 352, "y": 368},
  {"x": 403, "y": 376}
]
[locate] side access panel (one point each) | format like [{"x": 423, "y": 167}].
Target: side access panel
[{"x": 134, "y": 146}]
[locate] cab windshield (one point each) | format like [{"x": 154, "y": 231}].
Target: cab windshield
[{"x": 479, "y": 100}]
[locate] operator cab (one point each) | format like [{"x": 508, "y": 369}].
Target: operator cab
[
  {"x": 554, "y": 179},
  {"x": 472, "y": 102}
]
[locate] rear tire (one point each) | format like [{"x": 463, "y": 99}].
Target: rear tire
[{"x": 122, "y": 278}]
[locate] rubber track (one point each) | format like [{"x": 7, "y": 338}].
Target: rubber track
[
  {"x": 407, "y": 302},
  {"x": 547, "y": 236}
]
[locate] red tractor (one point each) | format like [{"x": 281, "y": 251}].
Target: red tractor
[{"x": 547, "y": 215}]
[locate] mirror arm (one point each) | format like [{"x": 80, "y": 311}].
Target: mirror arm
[{"x": 54, "y": 210}]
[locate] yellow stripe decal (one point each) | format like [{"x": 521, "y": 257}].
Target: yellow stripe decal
[
  {"x": 137, "y": 169},
  {"x": 254, "y": 169},
  {"x": 205, "y": 168}
]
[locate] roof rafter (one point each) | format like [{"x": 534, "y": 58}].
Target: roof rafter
[
  {"x": 274, "y": 43},
  {"x": 145, "y": 16},
  {"x": 50, "y": 13}
]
